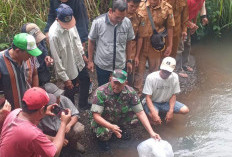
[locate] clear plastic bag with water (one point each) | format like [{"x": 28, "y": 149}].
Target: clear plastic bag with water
[{"x": 155, "y": 148}]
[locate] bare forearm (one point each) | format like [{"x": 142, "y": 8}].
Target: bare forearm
[
  {"x": 150, "y": 105},
  {"x": 91, "y": 46},
  {"x": 101, "y": 121},
  {"x": 73, "y": 121},
  {"x": 172, "y": 102},
  {"x": 59, "y": 138},
  {"x": 128, "y": 49},
  {"x": 144, "y": 120}
]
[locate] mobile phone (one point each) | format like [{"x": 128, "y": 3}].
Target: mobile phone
[{"x": 57, "y": 110}]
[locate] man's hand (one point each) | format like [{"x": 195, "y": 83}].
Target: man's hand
[
  {"x": 68, "y": 84},
  {"x": 156, "y": 119},
  {"x": 193, "y": 27},
  {"x": 65, "y": 118},
  {"x": 129, "y": 67},
  {"x": 49, "y": 110},
  {"x": 65, "y": 142},
  {"x": 155, "y": 136},
  {"x": 204, "y": 21},
  {"x": 116, "y": 130},
  {"x": 168, "y": 51},
  {"x": 67, "y": 129},
  {"x": 136, "y": 61},
  {"x": 48, "y": 60},
  {"x": 169, "y": 116},
  {"x": 5, "y": 109},
  {"x": 184, "y": 36},
  {"x": 90, "y": 66}
]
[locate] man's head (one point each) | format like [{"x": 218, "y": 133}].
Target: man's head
[
  {"x": 132, "y": 5},
  {"x": 118, "y": 11},
  {"x": 167, "y": 66},
  {"x": 65, "y": 16},
  {"x": 35, "y": 99},
  {"x": 33, "y": 30},
  {"x": 53, "y": 89},
  {"x": 154, "y": 3},
  {"x": 118, "y": 80},
  {"x": 24, "y": 46}
]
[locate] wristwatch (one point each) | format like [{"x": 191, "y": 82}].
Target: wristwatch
[{"x": 129, "y": 61}]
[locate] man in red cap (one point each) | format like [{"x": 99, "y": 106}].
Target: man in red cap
[{"x": 20, "y": 135}]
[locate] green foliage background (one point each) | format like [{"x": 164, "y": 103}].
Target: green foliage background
[{"x": 14, "y": 13}]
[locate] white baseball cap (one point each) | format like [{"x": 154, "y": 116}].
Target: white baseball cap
[{"x": 168, "y": 64}]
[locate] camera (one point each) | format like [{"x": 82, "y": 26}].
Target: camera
[{"x": 57, "y": 110}]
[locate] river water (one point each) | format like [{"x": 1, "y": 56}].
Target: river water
[{"x": 207, "y": 130}]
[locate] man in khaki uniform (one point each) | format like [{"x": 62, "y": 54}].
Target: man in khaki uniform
[
  {"x": 138, "y": 23},
  {"x": 180, "y": 11},
  {"x": 163, "y": 18}
]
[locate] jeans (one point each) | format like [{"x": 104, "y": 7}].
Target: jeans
[{"x": 103, "y": 76}]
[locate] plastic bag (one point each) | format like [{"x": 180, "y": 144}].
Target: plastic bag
[{"x": 155, "y": 148}]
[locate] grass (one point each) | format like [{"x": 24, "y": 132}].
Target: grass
[{"x": 14, "y": 13}]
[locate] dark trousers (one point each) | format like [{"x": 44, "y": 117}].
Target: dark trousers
[
  {"x": 103, "y": 76},
  {"x": 84, "y": 82}
]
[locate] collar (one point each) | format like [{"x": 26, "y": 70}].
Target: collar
[
  {"x": 107, "y": 20},
  {"x": 60, "y": 28}
]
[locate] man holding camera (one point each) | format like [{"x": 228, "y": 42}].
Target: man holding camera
[
  {"x": 51, "y": 124},
  {"x": 162, "y": 16},
  {"x": 20, "y": 135}
]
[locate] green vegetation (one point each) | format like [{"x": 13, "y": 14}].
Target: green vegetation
[
  {"x": 14, "y": 13},
  {"x": 220, "y": 18}
]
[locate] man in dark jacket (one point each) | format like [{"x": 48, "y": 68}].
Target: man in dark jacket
[{"x": 79, "y": 13}]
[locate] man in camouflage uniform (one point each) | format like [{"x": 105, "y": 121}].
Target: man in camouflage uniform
[
  {"x": 162, "y": 15},
  {"x": 113, "y": 105},
  {"x": 138, "y": 24}
]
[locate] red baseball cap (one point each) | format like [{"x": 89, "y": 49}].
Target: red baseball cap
[{"x": 35, "y": 98}]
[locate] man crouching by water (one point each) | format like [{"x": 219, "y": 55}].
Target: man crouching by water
[
  {"x": 113, "y": 106},
  {"x": 160, "y": 89}
]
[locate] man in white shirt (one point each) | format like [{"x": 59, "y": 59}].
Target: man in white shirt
[
  {"x": 69, "y": 57},
  {"x": 160, "y": 89}
]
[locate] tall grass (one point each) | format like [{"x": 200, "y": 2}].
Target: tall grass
[
  {"x": 14, "y": 13},
  {"x": 220, "y": 18}
]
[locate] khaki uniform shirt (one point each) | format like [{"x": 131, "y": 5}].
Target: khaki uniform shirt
[
  {"x": 138, "y": 24},
  {"x": 180, "y": 11},
  {"x": 162, "y": 16}
]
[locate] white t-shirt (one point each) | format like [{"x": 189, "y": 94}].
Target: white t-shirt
[{"x": 161, "y": 90}]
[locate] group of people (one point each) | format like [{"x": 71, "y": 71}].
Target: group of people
[{"x": 120, "y": 42}]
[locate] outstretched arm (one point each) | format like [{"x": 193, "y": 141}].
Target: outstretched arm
[
  {"x": 144, "y": 120},
  {"x": 101, "y": 121}
]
